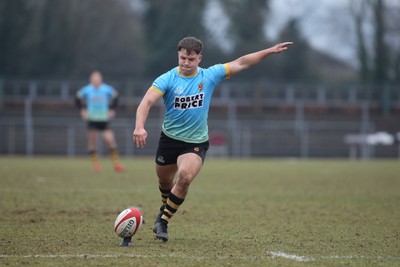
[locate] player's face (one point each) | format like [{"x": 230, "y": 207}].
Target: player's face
[
  {"x": 96, "y": 79},
  {"x": 188, "y": 63}
]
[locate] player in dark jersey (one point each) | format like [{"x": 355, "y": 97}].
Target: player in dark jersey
[
  {"x": 97, "y": 102},
  {"x": 186, "y": 91}
]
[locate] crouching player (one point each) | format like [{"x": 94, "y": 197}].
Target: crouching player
[{"x": 186, "y": 92}]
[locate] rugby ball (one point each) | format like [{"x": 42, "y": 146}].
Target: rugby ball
[{"x": 128, "y": 222}]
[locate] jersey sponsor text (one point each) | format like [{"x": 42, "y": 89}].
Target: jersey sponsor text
[{"x": 189, "y": 102}]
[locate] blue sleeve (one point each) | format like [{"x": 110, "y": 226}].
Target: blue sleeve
[
  {"x": 161, "y": 84},
  {"x": 111, "y": 91},
  {"x": 82, "y": 93},
  {"x": 218, "y": 73}
]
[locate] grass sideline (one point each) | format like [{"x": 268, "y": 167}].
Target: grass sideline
[{"x": 56, "y": 211}]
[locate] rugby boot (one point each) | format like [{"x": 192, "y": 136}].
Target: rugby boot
[
  {"x": 162, "y": 230},
  {"x": 158, "y": 218},
  {"x": 96, "y": 167},
  {"x": 119, "y": 168}
]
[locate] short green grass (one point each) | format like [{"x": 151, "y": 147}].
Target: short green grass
[{"x": 56, "y": 211}]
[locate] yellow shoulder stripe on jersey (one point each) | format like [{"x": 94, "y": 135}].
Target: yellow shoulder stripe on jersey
[
  {"x": 227, "y": 70},
  {"x": 156, "y": 90}
]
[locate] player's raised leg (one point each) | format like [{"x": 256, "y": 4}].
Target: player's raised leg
[{"x": 188, "y": 166}]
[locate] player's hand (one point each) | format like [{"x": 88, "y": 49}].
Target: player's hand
[
  {"x": 280, "y": 47},
  {"x": 111, "y": 114},
  {"x": 84, "y": 115},
  {"x": 139, "y": 137}
]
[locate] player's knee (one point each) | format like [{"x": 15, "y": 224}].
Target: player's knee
[
  {"x": 184, "y": 178},
  {"x": 165, "y": 183},
  {"x": 183, "y": 182}
]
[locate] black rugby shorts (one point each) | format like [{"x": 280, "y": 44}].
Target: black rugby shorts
[
  {"x": 98, "y": 125},
  {"x": 170, "y": 149}
]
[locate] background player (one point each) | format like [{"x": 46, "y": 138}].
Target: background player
[
  {"x": 186, "y": 91},
  {"x": 97, "y": 102}
]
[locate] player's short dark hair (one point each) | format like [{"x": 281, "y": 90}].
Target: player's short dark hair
[{"x": 190, "y": 44}]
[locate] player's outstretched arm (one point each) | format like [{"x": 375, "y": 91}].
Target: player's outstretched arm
[
  {"x": 140, "y": 134},
  {"x": 246, "y": 61}
]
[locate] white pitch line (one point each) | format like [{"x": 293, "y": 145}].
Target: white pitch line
[{"x": 280, "y": 254}]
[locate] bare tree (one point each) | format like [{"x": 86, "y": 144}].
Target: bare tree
[
  {"x": 393, "y": 40},
  {"x": 381, "y": 53},
  {"x": 375, "y": 23},
  {"x": 358, "y": 11},
  {"x": 69, "y": 38}
]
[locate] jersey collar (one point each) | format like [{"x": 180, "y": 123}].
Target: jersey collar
[{"x": 187, "y": 76}]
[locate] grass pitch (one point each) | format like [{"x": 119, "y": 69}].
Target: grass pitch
[{"x": 56, "y": 211}]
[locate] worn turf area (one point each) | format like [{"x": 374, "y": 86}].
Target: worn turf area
[{"x": 56, "y": 211}]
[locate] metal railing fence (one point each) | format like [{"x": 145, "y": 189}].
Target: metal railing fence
[{"x": 257, "y": 93}]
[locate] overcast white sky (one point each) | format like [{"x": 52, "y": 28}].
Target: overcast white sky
[
  {"x": 317, "y": 23},
  {"x": 325, "y": 23}
]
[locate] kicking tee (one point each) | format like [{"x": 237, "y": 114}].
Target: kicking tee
[
  {"x": 187, "y": 101},
  {"x": 97, "y": 100}
]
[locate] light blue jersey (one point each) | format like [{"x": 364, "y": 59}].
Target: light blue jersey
[
  {"x": 187, "y": 101},
  {"x": 97, "y": 100}
]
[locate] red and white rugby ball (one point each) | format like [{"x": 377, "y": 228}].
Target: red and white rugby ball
[{"x": 128, "y": 222}]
